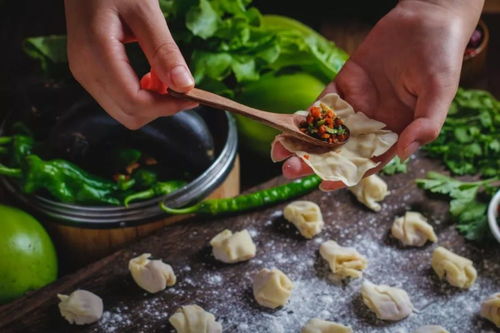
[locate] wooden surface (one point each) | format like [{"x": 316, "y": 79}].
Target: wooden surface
[{"x": 225, "y": 290}]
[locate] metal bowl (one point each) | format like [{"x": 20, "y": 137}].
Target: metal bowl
[
  {"x": 493, "y": 215},
  {"x": 223, "y": 128}
]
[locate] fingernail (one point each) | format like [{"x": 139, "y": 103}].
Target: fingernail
[
  {"x": 410, "y": 149},
  {"x": 181, "y": 78}
]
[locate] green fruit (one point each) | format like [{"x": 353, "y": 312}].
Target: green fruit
[
  {"x": 284, "y": 93},
  {"x": 28, "y": 260}
]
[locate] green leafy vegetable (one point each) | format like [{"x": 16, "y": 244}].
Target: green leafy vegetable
[
  {"x": 395, "y": 166},
  {"x": 469, "y": 142},
  {"x": 227, "y": 44},
  {"x": 50, "y": 51},
  {"x": 468, "y": 203}
]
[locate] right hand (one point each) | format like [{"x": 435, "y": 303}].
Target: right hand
[{"x": 97, "y": 31}]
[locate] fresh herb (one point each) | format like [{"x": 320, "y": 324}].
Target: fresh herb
[
  {"x": 395, "y": 166},
  {"x": 227, "y": 44},
  {"x": 469, "y": 202},
  {"x": 469, "y": 142}
]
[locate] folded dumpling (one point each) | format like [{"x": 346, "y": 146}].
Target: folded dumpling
[
  {"x": 316, "y": 325},
  {"x": 193, "y": 319},
  {"x": 370, "y": 191},
  {"x": 352, "y": 160},
  {"x": 457, "y": 270},
  {"x": 231, "y": 248},
  {"x": 272, "y": 288},
  {"x": 412, "y": 229},
  {"x": 344, "y": 262},
  {"x": 490, "y": 309},
  {"x": 431, "y": 329},
  {"x": 306, "y": 216},
  {"x": 388, "y": 303}
]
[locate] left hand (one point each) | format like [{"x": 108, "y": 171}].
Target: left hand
[{"x": 404, "y": 74}]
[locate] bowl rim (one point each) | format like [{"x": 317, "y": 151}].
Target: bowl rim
[
  {"x": 484, "y": 43},
  {"x": 98, "y": 217},
  {"x": 493, "y": 215}
]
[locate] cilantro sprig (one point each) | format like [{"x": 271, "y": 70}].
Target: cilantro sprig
[
  {"x": 469, "y": 142},
  {"x": 395, "y": 166},
  {"x": 467, "y": 205}
]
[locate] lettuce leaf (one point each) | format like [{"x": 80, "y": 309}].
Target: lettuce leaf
[{"x": 227, "y": 42}]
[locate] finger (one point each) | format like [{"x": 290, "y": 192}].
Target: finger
[
  {"x": 149, "y": 26},
  {"x": 327, "y": 186},
  {"x": 329, "y": 89},
  {"x": 294, "y": 167},
  {"x": 279, "y": 152},
  {"x": 430, "y": 114}
]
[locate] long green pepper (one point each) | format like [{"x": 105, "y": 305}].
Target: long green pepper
[{"x": 245, "y": 202}]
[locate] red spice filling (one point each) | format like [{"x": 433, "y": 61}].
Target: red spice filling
[{"x": 322, "y": 123}]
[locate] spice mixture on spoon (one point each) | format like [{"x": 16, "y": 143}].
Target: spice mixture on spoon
[{"x": 322, "y": 123}]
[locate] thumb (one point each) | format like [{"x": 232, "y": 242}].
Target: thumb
[
  {"x": 430, "y": 114},
  {"x": 150, "y": 28}
]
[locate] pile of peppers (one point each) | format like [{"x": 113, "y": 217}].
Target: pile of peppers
[{"x": 69, "y": 183}]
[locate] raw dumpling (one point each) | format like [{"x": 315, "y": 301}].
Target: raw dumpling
[
  {"x": 388, "y": 303},
  {"x": 80, "y": 307},
  {"x": 344, "y": 262},
  {"x": 151, "y": 275},
  {"x": 369, "y": 191},
  {"x": 413, "y": 229},
  {"x": 431, "y": 329},
  {"x": 457, "y": 270},
  {"x": 230, "y": 248},
  {"x": 193, "y": 319},
  {"x": 272, "y": 288},
  {"x": 306, "y": 216},
  {"x": 352, "y": 160},
  {"x": 317, "y": 325},
  {"x": 490, "y": 309}
]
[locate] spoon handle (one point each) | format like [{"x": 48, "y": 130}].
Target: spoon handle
[{"x": 204, "y": 97}]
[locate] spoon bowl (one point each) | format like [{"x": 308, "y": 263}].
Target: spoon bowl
[{"x": 287, "y": 123}]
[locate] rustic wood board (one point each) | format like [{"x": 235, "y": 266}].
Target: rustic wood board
[{"x": 225, "y": 290}]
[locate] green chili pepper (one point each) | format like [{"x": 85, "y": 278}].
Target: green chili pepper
[
  {"x": 11, "y": 172},
  {"x": 145, "y": 178},
  {"x": 22, "y": 146},
  {"x": 161, "y": 188},
  {"x": 250, "y": 201},
  {"x": 126, "y": 156},
  {"x": 65, "y": 181}
]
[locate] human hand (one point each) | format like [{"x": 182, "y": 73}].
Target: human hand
[
  {"x": 404, "y": 74},
  {"x": 97, "y": 31}
]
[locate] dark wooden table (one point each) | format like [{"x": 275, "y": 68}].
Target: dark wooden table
[{"x": 225, "y": 290}]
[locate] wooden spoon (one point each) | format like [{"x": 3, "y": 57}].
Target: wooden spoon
[{"x": 287, "y": 123}]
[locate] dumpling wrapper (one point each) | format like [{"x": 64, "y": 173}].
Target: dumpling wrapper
[{"x": 349, "y": 162}]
